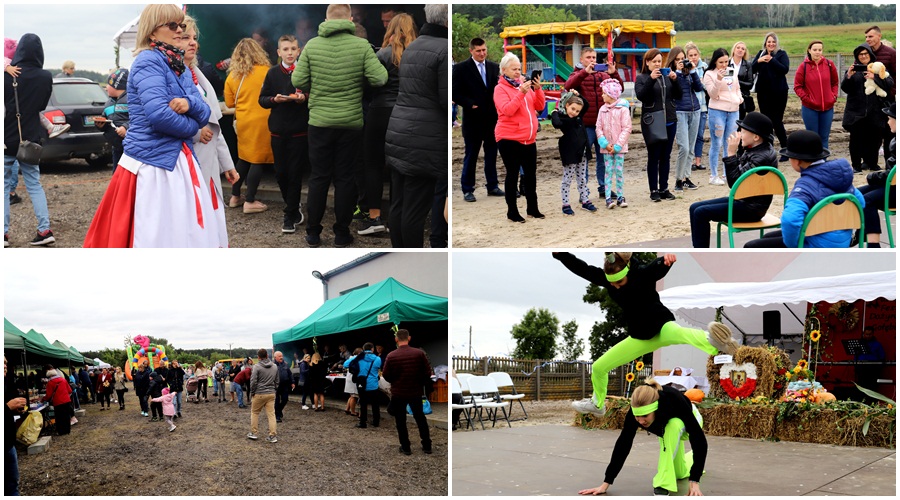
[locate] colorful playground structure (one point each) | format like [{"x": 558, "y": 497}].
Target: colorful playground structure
[
  {"x": 555, "y": 48},
  {"x": 155, "y": 354}
]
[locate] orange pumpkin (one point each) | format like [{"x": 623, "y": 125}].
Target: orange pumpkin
[
  {"x": 695, "y": 395},
  {"x": 823, "y": 397}
]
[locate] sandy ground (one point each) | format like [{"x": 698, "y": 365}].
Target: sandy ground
[
  {"x": 122, "y": 453},
  {"x": 484, "y": 223},
  {"x": 552, "y": 412},
  {"x": 74, "y": 190}
]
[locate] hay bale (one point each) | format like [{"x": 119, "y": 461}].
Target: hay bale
[
  {"x": 827, "y": 426},
  {"x": 766, "y": 370},
  {"x": 753, "y": 422},
  {"x": 614, "y": 418}
]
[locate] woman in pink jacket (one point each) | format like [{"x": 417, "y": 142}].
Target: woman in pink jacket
[
  {"x": 725, "y": 99},
  {"x": 518, "y": 101},
  {"x": 816, "y": 84}
]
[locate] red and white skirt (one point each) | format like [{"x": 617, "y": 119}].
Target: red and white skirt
[{"x": 150, "y": 207}]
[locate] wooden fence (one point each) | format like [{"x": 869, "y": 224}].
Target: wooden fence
[{"x": 548, "y": 379}]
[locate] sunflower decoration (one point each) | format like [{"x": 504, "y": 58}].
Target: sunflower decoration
[
  {"x": 846, "y": 313},
  {"x": 815, "y": 335},
  {"x": 802, "y": 364},
  {"x": 639, "y": 366},
  {"x": 629, "y": 378}
]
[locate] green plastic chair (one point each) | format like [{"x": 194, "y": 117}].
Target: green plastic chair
[
  {"x": 888, "y": 211},
  {"x": 757, "y": 181},
  {"x": 828, "y": 215}
]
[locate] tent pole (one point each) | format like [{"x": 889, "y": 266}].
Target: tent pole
[{"x": 794, "y": 315}]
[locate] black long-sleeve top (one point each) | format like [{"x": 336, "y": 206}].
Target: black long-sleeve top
[
  {"x": 672, "y": 404},
  {"x": 287, "y": 119},
  {"x": 638, "y": 298}
]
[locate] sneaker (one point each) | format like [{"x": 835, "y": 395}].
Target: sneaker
[
  {"x": 456, "y": 124},
  {"x": 405, "y": 451},
  {"x": 144, "y": 414},
  {"x": 252, "y": 436},
  {"x": 272, "y": 439},
  {"x": 359, "y": 214},
  {"x": 73, "y": 421},
  {"x": 701, "y": 167},
  {"x": 588, "y": 405},
  {"x": 660, "y": 492},
  {"x": 154, "y": 419},
  {"x": 567, "y": 210},
  {"x": 179, "y": 415},
  {"x": 621, "y": 202},
  {"x": 44, "y": 238},
  {"x": 654, "y": 196},
  {"x": 313, "y": 240},
  {"x": 342, "y": 240},
  {"x": 720, "y": 338},
  {"x": 679, "y": 186},
  {"x": 305, "y": 407},
  {"x": 667, "y": 195},
  {"x": 589, "y": 206},
  {"x": 58, "y": 130},
  {"x": 14, "y": 198},
  {"x": 371, "y": 226},
  {"x": 687, "y": 184},
  {"x": 172, "y": 429},
  {"x": 610, "y": 203},
  {"x": 496, "y": 192},
  {"x": 470, "y": 197},
  {"x": 717, "y": 181},
  {"x": 5, "y": 240},
  {"x": 289, "y": 225}
]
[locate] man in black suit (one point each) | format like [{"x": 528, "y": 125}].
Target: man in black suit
[{"x": 473, "y": 90}]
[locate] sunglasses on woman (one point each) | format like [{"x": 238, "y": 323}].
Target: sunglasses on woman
[{"x": 173, "y": 26}]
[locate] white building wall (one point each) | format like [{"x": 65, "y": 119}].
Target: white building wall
[{"x": 422, "y": 271}]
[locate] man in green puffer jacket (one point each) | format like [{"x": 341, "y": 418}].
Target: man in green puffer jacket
[{"x": 333, "y": 69}]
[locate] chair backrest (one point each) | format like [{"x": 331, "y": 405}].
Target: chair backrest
[
  {"x": 464, "y": 380},
  {"x": 502, "y": 379},
  {"x": 482, "y": 385},
  {"x": 834, "y": 213},
  {"x": 759, "y": 181},
  {"x": 455, "y": 387}
]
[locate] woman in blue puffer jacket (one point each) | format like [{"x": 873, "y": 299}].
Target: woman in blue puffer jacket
[{"x": 157, "y": 198}]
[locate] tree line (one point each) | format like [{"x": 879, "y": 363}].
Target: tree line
[
  {"x": 208, "y": 356},
  {"x": 539, "y": 336}
]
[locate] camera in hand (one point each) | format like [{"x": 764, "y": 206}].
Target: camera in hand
[
  {"x": 859, "y": 67},
  {"x": 688, "y": 66},
  {"x": 729, "y": 71}
]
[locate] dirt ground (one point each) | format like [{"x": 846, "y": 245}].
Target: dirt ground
[
  {"x": 317, "y": 453},
  {"x": 74, "y": 190},
  {"x": 484, "y": 224}
]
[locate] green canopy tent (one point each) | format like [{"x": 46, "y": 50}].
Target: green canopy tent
[
  {"x": 74, "y": 355},
  {"x": 387, "y": 302}
]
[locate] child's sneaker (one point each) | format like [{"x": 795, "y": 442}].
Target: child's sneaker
[
  {"x": 359, "y": 214},
  {"x": 567, "y": 210},
  {"x": 688, "y": 184},
  {"x": 621, "y": 202},
  {"x": 57, "y": 130},
  {"x": 679, "y": 186},
  {"x": 610, "y": 203},
  {"x": 43, "y": 238},
  {"x": 172, "y": 429},
  {"x": 589, "y": 206},
  {"x": 588, "y": 405}
]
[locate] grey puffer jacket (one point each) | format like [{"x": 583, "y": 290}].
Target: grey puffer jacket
[{"x": 416, "y": 141}]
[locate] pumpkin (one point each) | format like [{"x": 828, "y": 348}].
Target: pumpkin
[
  {"x": 823, "y": 397},
  {"x": 695, "y": 395}
]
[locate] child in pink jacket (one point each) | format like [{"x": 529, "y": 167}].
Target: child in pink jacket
[
  {"x": 167, "y": 399},
  {"x": 613, "y": 130}
]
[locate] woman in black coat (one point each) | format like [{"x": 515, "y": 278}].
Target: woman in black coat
[
  {"x": 772, "y": 65},
  {"x": 141, "y": 379},
  {"x": 658, "y": 92},
  {"x": 862, "y": 114}
]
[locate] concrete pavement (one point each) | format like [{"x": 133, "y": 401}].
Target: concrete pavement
[{"x": 561, "y": 460}]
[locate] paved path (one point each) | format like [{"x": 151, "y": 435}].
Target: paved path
[{"x": 561, "y": 460}]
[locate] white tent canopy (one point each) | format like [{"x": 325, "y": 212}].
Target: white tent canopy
[
  {"x": 126, "y": 37},
  {"x": 101, "y": 364},
  {"x": 744, "y": 303}
]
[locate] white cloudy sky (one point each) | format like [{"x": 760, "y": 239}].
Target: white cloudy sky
[
  {"x": 80, "y": 32},
  {"x": 493, "y": 290},
  {"x": 195, "y": 299}
]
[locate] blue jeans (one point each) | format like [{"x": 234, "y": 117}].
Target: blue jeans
[
  {"x": 598, "y": 155},
  {"x": 177, "y": 402},
  {"x": 453, "y": 115},
  {"x": 240, "y": 394},
  {"x": 31, "y": 174},
  {"x": 716, "y": 210},
  {"x": 818, "y": 122},
  {"x": 701, "y": 128},
  {"x": 11, "y": 474},
  {"x": 685, "y": 133},
  {"x": 721, "y": 125}
]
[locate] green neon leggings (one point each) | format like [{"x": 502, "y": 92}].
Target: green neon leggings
[
  {"x": 674, "y": 463},
  {"x": 630, "y": 348}
]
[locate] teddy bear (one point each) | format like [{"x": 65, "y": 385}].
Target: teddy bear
[{"x": 877, "y": 68}]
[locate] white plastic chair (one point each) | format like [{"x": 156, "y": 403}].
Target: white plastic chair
[
  {"x": 487, "y": 388},
  {"x": 466, "y": 408},
  {"x": 504, "y": 380},
  {"x": 464, "y": 383}
]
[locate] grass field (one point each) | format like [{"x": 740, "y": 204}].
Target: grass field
[{"x": 836, "y": 38}]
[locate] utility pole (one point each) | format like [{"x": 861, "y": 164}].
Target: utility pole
[
  {"x": 470, "y": 341},
  {"x": 589, "y": 12},
  {"x": 229, "y": 351}
]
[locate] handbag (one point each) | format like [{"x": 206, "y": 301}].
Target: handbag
[
  {"x": 236, "y": 94},
  {"x": 654, "y": 127},
  {"x": 29, "y": 152},
  {"x": 426, "y": 407}
]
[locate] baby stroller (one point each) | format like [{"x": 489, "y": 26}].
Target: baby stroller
[{"x": 191, "y": 388}]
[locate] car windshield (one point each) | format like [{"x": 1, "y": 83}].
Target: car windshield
[{"x": 69, "y": 94}]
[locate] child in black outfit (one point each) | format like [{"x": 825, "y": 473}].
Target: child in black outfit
[
  {"x": 574, "y": 148},
  {"x": 288, "y": 124}
]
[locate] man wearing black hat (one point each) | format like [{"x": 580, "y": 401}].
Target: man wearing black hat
[
  {"x": 818, "y": 180},
  {"x": 876, "y": 183},
  {"x": 755, "y": 135},
  {"x": 116, "y": 113}
]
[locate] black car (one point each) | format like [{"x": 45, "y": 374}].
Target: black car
[{"x": 77, "y": 101}]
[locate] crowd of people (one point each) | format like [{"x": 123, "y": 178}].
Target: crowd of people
[
  {"x": 679, "y": 95},
  {"x": 331, "y": 107}
]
